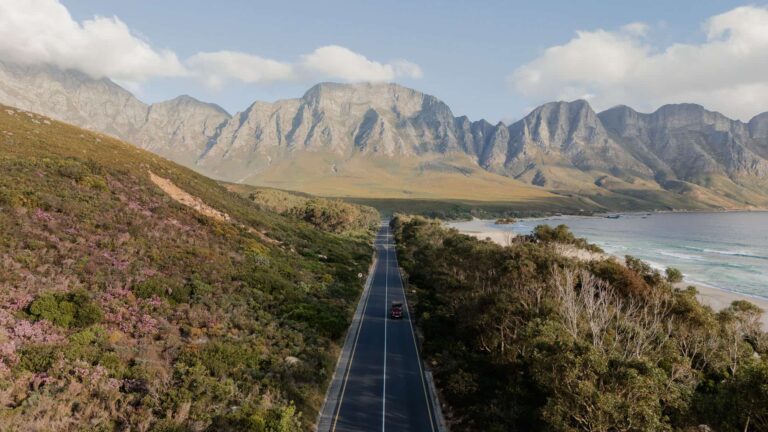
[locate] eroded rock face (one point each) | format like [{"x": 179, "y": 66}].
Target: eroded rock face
[
  {"x": 73, "y": 97},
  {"x": 569, "y": 133},
  {"x": 563, "y": 145},
  {"x": 179, "y": 129},
  {"x": 688, "y": 141},
  {"x": 384, "y": 119}
]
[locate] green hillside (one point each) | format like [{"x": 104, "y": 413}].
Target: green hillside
[
  {"x": 138, "y": 295},
  {"x": 331, "y": 215}
]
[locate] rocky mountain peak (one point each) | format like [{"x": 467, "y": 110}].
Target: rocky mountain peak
[
  {"x": 758, "y": 126},
  {"x": 687, "y": 115},
  {"x": 561, "y": 124},
  {"x": 559, "y": 145},
  {"x": 187, "y": 101},
  {"x": 621, "y": 119},
  {"x": 401, "y": 102}
]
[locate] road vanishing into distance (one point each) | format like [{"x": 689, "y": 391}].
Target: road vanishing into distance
[{"x": 383, "y": 387}]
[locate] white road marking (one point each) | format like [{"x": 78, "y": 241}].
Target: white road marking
[
  {"x": 418, "y": 356},
  {"x": 352, "y": 356},
  {"x": 386, "y": 321}
]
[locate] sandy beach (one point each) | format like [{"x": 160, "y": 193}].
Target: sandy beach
[
  {"x": 719, "y": 299},
  {"x": 715, "y": 298},
  {"x": 502, "y": 238}
]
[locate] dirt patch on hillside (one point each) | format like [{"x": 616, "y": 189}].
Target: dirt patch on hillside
[
  {"x": 196, "y": 203},
  {"x": 188, "y": 200}
]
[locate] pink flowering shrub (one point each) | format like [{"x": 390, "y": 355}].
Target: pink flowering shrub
[
  {"x": 90, "y": 374},
  {"x": 15, "y": 333},
  {"x": 39, "y": 332},
  {"x": 8, "y": 356},
  {"x": 42, "y": 216},
  {"x": 114, "y": 261},
  {"x": 130, "y": 314},
  {"x": 18, "y": 301}
]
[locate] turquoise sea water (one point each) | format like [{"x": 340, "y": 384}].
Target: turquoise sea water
[{"x": 721, "y": 250}]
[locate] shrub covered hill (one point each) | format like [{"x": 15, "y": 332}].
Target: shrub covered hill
[
  {"x": 326, "y": 214},
  {"x": 138, "y": 295},
  {"x": 523, "y": 338}
]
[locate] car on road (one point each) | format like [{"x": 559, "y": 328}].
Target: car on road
[{"x": 396, "y": 312}]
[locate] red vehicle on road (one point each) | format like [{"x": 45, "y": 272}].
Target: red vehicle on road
[{"x": 397, "y": 310}]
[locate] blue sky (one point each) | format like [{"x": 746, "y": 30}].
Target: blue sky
[{"x": 465, "y": 50}]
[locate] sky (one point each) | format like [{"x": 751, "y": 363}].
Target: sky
[{"x": 486, "y": 59}]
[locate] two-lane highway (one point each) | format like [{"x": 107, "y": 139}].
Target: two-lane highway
[{"x": 383, "y": 386}]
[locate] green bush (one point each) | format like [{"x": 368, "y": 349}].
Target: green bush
[
  {"x": 37, "y": 358},
  {"x": 72, "y": 169},
  {"x": 674, "y": 275},
  {"x": 52, "y": 308},
  {"x": 74, "y": 309},
  {"x": 326, "y": 319},
  {"x": 197, "y": 289},
  {"x": 95, "y": 182},
  {"x": 10, "y": 198},
  {"x": 561, "y": 234},
  {"x": 276, "y": 419},
  {"x": 159, "y": 286},
  {"x": 334, "y": 216}
]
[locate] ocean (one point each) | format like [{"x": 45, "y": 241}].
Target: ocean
[{"x": 728, "y": 251}]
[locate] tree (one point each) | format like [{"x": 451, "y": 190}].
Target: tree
[{"x": 674, "y": 275}]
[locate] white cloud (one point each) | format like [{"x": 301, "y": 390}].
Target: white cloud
[
  {"x": 330, "y": 62},
  {"x": 42, "y": 31},
  {"x": 215, "y": 68},
  {"x": 636, "y": 28},
  {"x": 336, "y": 62},
  {"x": 727, "y": 72},
  {"x": 405, "y": 68}
]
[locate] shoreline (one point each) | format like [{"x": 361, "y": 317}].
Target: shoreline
[
  {"x": 716, "y": 298},
  {"x": 719, "y": 299},
  {"x": 600, "y": 214}
]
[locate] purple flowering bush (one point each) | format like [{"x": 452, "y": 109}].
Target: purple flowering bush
[{"x": 122, "y": 309}]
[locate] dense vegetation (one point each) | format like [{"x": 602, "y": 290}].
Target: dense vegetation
[
  {"x": 330, "y": 215},
  {"x": 465, "y": 210},
  {"x": 122, "y": 309},
  {"x": 522, "y": 339}
]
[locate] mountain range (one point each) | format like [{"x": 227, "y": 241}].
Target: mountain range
[{"x": 388, "y": 141}]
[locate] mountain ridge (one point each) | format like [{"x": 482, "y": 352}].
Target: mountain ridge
[{"x": 679, "y": 155}]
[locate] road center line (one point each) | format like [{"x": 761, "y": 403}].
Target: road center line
[{"x": 386, "y": 321}]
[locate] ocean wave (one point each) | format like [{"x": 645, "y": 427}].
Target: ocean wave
[
  {"x": 742, "y": 254},
  {"x": 656, "y": 266},
  {"x": 683, "y": 256}
]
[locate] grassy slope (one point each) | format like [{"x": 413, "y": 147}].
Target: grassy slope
[
  {"x": 381, "y": 177},
  {"x": 180, "y": 321},
  {"x": 453, "y": 183},
  {"x": 331, "y": 215}
]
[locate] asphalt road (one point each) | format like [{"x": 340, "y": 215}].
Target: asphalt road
[{"x": 384, "y": 388}]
